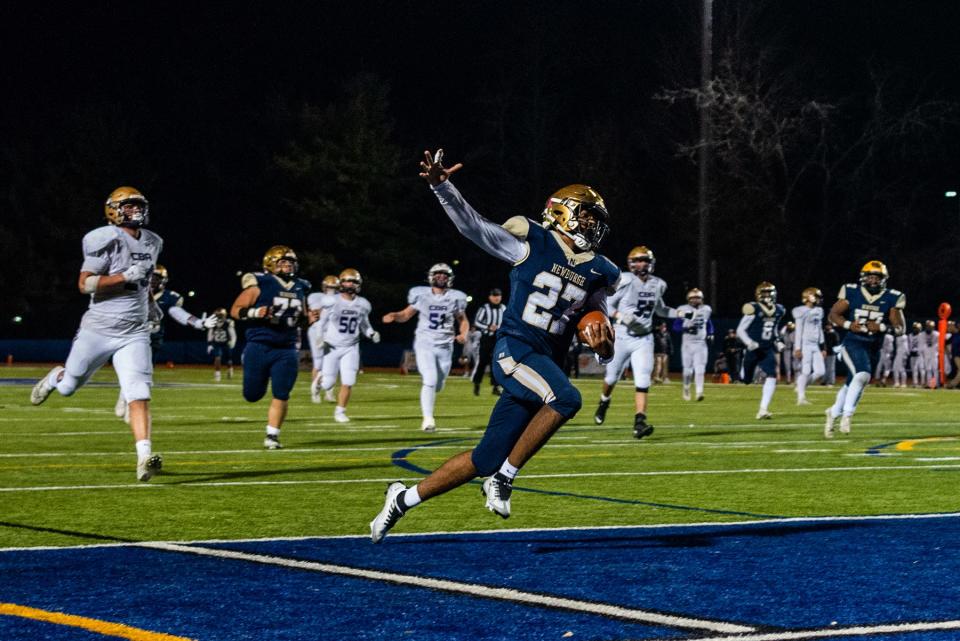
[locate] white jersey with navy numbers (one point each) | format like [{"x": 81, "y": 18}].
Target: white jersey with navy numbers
[
  {"x": 809, "y": 323},
  {"x": 695, "y": 329},
  {"x": 110, "y": 250},
  {"x": 636, "y": 301},
  {"x": 344, "y": 320},
  {"x": 437, "y": 313}
]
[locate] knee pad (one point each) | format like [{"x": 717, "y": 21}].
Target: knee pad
[
  {"x": 139, "y": 391},
  {"x": 862, "y": 377}
]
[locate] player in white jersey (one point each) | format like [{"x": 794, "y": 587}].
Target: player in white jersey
[
  {"x": 885, "y": 363},
  {"x": 929, "y": 348},
  {"x": 316, "y": 302},
  {"x": 916, "y": 364},
  {"x": 901, "y": 353},
  {"x": 809, "y": 349},
  {"x": 788, "y": 336},
  {"x": 343, "y": 319},
  {"x": 638, "y": 297},
  {"x": 697, "y": 329},
  {"x": 118, "y": 260},
  {"x": 442, "y": 320}
]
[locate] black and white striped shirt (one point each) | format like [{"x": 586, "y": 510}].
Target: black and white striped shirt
[{"x": 488, "y": 315}]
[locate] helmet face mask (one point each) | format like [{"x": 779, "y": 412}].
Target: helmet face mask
[
  {"x": 350, "y": 281},
  {"x": 766, "y": 293},
  {"x": 641, "y": 261},
  {"x": 873, "y": 276},
  {"x": 811, "y": 295},
  {"x": 440, "y": 276},
  {"x": 127, "y": 207},
  {"x": 579, "y": 213},
  {"x": 331, "y": 284},
  {"x": 281, "y": 261},
  {"x": 695, "y": 297}
]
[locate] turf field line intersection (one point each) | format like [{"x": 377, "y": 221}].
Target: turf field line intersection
[
  {"x": 835, "y": 632},
  {"x": 478, "y": 590}
]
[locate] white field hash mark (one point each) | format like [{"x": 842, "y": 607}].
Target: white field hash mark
[{"x": 470, "y": 589}]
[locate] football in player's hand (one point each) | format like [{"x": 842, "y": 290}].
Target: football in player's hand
[{"x": 595, "y": 320}]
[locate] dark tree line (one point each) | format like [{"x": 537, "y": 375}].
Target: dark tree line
[{"x": 821, "y": 160}]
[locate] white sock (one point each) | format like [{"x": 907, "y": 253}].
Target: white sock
[
  {"x": 428, "y": 397},
  {"x": 273, "y": 431},
  {"x": 144, "y": 448},
  {"x": 853, "y": 396},
  {"x": 698, "y": 381},
  {"x": 801, "y": 386},
  {"x": 604, "y": 398},
  {"x": 509, "y": 471},
  {"x": 769, "y": 387},
  {"x": 837, "y": 408},
  {"x": 410, "y": 497},
  {"x": 339, "y": 410}
]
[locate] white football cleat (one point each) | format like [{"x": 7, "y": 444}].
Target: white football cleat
[
  {"x": 845, "y": 424},
  {"x": 390, "y": 513},
  {"x": 764, "y": 415},
  {"x": 341, "y": 417},
  {"x": 498, "y": 492},
  {"x": 216, "y": 377},
  {"x": 428, "y": 425},
  {"x": 121, "y": 406},
  {"x": 686, "y": 393},
  {"x": 802, "y": 401},
  {"x": 147, "y": 466},
  {"x": 828, "y": 426},
  {"x": 271, "y": 442},
  {"x": 329, "y": 396},
  {"x": 42, "y": 389}
]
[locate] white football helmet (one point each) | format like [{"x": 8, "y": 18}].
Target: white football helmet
[{"x": 440, "y": 275}]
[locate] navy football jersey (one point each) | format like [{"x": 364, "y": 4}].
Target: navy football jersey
[
  {"x": 865, "y": 307},
  {"x": 549, "y": 290},
  {"x": 165, "y": 300},
  {"x": 287, "y": 303},
  {"x": 764, "y": 328}
]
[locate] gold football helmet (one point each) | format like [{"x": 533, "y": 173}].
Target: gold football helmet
[
  {"x": 352, "y": 278},
  {"x": 274, "y": 255},
  {"x": 331, "y": 283},
  {"x": 436, "y": 274},
  {"x": 220, "y": 312},
  {"x": 917, "y": 326},
  {"x": 811, "y": 295},
  {"x": 159, "y": 278},
  {"x": 694, "y": 293},
  {"x": 566, "y": 211},
  {"x": 765, "y": 293},
  {"x": 873, "y": 276},
  {"x": 120, "y": 208},
  {"x": 929, "y": 325}
]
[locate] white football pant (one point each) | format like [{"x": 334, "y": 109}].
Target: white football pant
[
  {"x": 132, "y": 359},
  {"x": 638, "y": 351}
]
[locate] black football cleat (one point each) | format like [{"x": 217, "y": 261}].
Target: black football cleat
[
  {"x": 601, "y": 414},
  {"x": 641, "y": 428}
]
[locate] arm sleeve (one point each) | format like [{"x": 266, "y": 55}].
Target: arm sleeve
[
  {"x": 709, "y": 327},
  {"x": 184, "y": 317},
  {"x": 490, "y": 237},
  {"x": 662, "y": 309},
  {"x": 232, "y": 331},
  {"x": 96, "y": 248},
  {"x": 677, "y": 325},
  {"x": 742, "y": 330}
]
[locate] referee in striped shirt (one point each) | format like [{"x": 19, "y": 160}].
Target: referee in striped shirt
[{"x": 487, "y": 321}]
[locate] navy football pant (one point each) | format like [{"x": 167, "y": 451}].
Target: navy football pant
[
  {"x": 263, "y": 363},
  {"x": 530, "y": 380}
]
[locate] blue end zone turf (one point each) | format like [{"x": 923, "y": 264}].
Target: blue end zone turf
[{"x": 773, "y": 576}]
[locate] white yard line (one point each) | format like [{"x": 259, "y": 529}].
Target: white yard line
[
  {"x": 837, "y": 632},
  {"x": 202, "y": 484},
  {"x": 470, "y": 589}
]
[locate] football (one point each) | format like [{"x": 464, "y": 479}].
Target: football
[{"x": 590, "y": 318}]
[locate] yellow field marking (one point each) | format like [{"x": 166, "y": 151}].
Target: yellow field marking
[
  {"x": 907, "y": 446},
  {"x": 105, "y": 628}
]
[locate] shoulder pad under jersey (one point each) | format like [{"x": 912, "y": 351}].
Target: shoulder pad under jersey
[
  {"x": 98, "y": 239},
  {"x": 749, "y": 309},
  {"x": 152, "y": 238},
  {"x": 519, "y": 226},
  {"x": 416, "y": 293},
  {"x": 250, "y": 280},
  {"x": 306, "y": 284}
]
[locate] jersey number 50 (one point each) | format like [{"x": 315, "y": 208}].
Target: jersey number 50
[{"x": 537, "y": 310}]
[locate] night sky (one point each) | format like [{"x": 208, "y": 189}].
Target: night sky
[{"x": 181, "y": 101}]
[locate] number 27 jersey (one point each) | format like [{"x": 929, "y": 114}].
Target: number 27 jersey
[{"x": 437, "y": 313}]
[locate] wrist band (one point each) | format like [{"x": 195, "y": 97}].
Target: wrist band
[
  {"x": 847, "y": 324},
  {"x": 252, "y": 312},
  {"x": 883, "y": 327}
]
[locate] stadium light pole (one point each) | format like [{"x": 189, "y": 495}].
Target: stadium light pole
[{"x": 703, "y": 157}]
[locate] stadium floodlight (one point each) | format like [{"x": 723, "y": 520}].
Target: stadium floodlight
[
  {"x": 191, "y": 293},
  {"x": 17, "y": 319},
  {"x": 950, "y": 194}
]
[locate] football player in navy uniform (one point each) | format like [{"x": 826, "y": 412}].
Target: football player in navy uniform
[
  {"x": 274, "y": 304},
  {"x": 556, "y": 278},
  {"x": 221, "y": 339},
  {"x": 759, "y": 331},
  {"x": 866, "y": 310}
]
